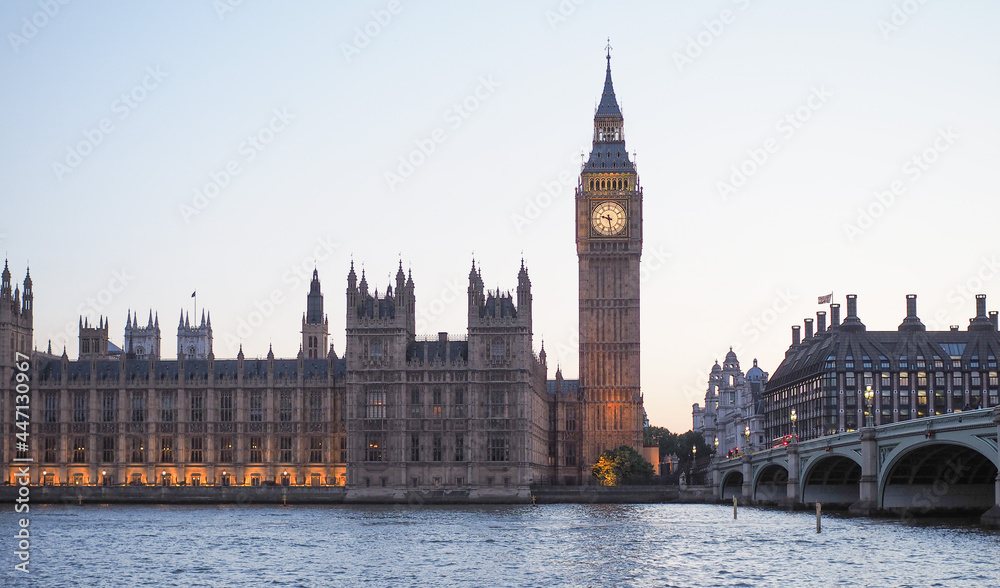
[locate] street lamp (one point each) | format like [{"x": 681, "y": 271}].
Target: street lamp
[
  {"x": 794, "y": 418},
  {"x": 746, "y": 433},
  {"x": 869, "y": 398},
  {"x": 716, "y": 445}
]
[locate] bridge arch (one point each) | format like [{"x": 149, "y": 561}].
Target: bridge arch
[
  {"x": 771, "y": 483},
  {"x": 936, "y": 475},
  {"x": 732, "y": 485},
  {"x": 833, "y": 479}
]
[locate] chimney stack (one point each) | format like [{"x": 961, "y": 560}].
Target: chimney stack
[
  {"x": 795, "y": 335},
  {"x": 852, "y": 322},
  {"x": 994, "y": 320},
  {"x": 835, "y": 314},
  {"x": 982, "y": 321},
  {"x": 809, "y": 328},
  {"x": 820, "y": 321},
  {"x": 912, "y": 321}
]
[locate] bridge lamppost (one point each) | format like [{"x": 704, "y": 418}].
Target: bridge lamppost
[
  {"x": 716, "y": 446},
  {"x": 869, "y": 398},
  {"x": 746, "y": 433},
  {"x": 794, "y": 417}
]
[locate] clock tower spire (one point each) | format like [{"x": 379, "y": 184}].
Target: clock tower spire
[{"x": 609, "y": 245}]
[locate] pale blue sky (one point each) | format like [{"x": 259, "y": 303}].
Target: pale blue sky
[{"x": 699, "y": 87}]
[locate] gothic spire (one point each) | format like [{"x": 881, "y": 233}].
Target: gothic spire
[{"x": 608, "y": 106}]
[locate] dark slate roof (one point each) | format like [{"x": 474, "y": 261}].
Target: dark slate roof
[
  {"x": 609, "y": 104},
  {"x": 286, "y": 368},
  {"x": 498, "y": 307},
  {"x": 809, "y": 357},
  {"x": 165, "y": 370},
  {"x": 226, "y": 369},
  {"x": 609, "y": 156},
  {"x": 196, "y": 369},
  {"x": 50, "y": 370},
  {"x": 136, "y": 369},
  {"x": 255, "y": 368},
  {"x": 568, "y": 386},
  {"x": 79, "y": 370},
  {"x": 108, "y": 370},
  {"x": 426, "y": 351}
]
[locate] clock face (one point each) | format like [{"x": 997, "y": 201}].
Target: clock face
[{"x": 608, "y": 218}]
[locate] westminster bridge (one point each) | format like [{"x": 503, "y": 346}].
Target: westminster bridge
[{"x": 934, "y": 464}]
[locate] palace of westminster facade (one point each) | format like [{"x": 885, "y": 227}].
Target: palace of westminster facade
[{"x": 398, "y": 411}]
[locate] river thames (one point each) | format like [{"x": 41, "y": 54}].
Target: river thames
[{"x": 550, "y": 545}]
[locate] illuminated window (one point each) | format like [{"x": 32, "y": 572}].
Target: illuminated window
[
  {"x": 79, "y": 450},
  {"x": 226, "y": 449},
  {"x": 256, "y": 450},
  {"x": 138, "y": 449},
  {"x": 374, "y": 451},
  {"x": 166, "y": 449},
  {"x": 375, "y": 408}
]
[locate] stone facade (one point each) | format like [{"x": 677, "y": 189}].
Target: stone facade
[
  {"x": 913, "y": 372},
  {"x": 733, "y": 402},
  {"x": 609, "y": 245},
  {"x": 445, "y": 412},
  {"x": 471, "y": 413},
  {"x": 194, "y": 342},
  {"x": 142, "y": 342}
]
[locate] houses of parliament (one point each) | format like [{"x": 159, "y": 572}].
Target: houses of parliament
[{"x": 399, "y": 411}]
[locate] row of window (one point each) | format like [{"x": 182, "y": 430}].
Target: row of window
[
  {"x": 137, "y": 452},
  {"x": 496, "y": 407},
  {"x": 168, "y": 410},
  {"x": 497, "y": 448},
  {"x": 919, "y": 363}
]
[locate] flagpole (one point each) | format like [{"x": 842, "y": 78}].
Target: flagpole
[{"x": 195, "y": 306}]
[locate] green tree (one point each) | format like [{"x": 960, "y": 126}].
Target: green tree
[{"x": 621, "y": 466}]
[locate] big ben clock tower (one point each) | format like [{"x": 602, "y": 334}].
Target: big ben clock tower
[{"x": 608, "y": 244}]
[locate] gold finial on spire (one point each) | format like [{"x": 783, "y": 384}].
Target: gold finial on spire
[{"x": 608, "y": 49}]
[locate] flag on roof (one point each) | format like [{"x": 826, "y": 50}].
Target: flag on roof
[{"x": 825, "y": 299}]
